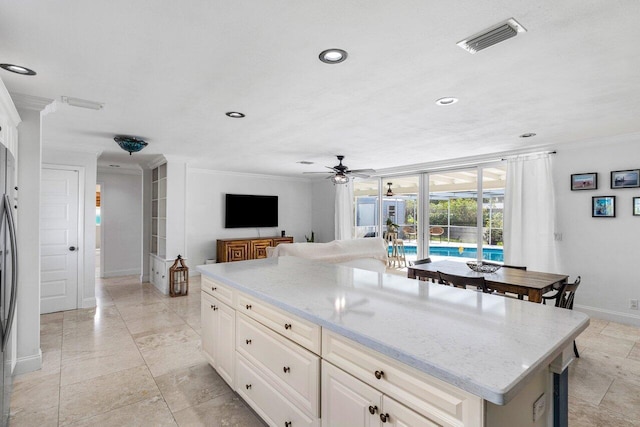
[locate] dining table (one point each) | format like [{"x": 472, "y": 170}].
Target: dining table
[{"x": 532, "y": 284}]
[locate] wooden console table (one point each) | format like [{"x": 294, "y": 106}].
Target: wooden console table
[{"x": 229, "y": 250}]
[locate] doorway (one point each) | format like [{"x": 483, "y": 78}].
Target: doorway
[{"x": 98, "y": 231}]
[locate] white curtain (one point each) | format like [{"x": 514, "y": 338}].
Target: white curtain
[
  {"x": 529, "y": 214},
  {"x": 344, "y": 210}
]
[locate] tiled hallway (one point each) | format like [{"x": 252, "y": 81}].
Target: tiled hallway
[{"x": 135, "y": 361}]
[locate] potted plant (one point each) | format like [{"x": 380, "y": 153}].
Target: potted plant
[{"x": 392, "y": 227}]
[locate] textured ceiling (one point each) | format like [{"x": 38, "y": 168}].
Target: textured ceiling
[{"x": 168, "y": 71}]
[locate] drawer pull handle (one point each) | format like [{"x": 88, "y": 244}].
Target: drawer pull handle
[
  {"x": 373, "y": 410},
  {"x": 248, "y": 306},
  {"x": 248, "y": 386},
  {"x": 214, "y": 289},
  {"x": 287, "y": 325},
  {"x": 287, "y": 424},
  {"x": 286, "y": 369},
  {"x": 384, "y": 417},
  {"x": 248, "y": 342},
  {"x": 214, "y": 308},
  {"x": 378, "y": 374}
]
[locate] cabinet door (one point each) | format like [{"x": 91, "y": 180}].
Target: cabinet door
[
  {"x": 225, "y": 342},
  {"x": 209, "y": 324},
  {"x": 396, "y": 415},
  {"x": 258, "y": 248},
  {"x": 347, "y": 401},
  {"x": 237, "y": 251}
]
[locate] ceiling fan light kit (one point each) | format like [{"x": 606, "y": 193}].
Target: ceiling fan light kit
[
  {"x": 131, "y": 144},
  {"x": 341, "y": 172}
]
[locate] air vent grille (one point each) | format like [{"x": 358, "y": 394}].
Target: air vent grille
[{"x": 494, "y": 35}]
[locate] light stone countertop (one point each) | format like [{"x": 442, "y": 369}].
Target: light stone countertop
[{"x": 488, "y": 345}]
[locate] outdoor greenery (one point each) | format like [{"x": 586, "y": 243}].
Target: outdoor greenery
[{"x": 463, "y": 214}]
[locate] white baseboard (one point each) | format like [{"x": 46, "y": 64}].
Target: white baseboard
[
  {"x": 612, "y": 316},
  {"x": 89, "y": 302},
  {"x": 118, "y": 273},
  {"x": 28, "y": 363}
]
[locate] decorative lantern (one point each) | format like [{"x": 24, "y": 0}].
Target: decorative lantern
[{"x": 178, "y": 278}]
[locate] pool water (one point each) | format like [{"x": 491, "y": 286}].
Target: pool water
[{"x": 489, "y": 254}]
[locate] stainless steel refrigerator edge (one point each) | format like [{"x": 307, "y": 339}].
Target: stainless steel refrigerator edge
[{"x": 8, "y": 278}]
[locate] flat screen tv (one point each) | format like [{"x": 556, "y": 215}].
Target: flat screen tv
[{"x": 250, "y": 211}]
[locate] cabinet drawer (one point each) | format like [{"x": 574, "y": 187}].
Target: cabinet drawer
[
  {"x": 263, "y": 396},
  {"x": 223, "y": 292},
  {"x": 441, "y": 402},
  {"x": 301, "y": 331},
  {"x": 295, "y": 369}
]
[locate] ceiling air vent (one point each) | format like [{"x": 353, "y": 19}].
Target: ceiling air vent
[{"x": 494, "y": 35}]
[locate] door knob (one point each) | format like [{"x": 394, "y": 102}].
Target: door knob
[{"x": 72, "y": 248}]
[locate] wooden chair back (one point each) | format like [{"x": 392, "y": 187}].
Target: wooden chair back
[{"x": 463, "y": 281}]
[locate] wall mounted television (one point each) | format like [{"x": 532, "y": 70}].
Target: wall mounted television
[{"x": 250, "y": 211}]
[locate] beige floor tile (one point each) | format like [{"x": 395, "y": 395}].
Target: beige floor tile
[
  {"x": 99, "y": 395},
  {"x": 78, "y": 367},
  {"x": 138, "y": 311},
  {"x": 51, "y": 342},
  {"x": 635, "y": 352},
  {"x": 605, "y": 364},
  {"x": 617, "y": 330},
  {"x": 154, "y": 322},
  {"x": 229, "y": 410},
  {"x": 191, "y": 386},
  {"x": 31, "y": 417},
  {"x": 36, "y": 394},
  {"x": 74, "y": 343},
  {"x": 93, "y": 326},
  {"x": 604, "y": 343},
  {"x": 582, "y": 414},
  {"x": 172, "y": 335},
  {"x": 597, "y": 325},
  {"x": 588, "y": 386},
  {"x": 149, "y": 412},
  {"x": 163, "y": 360},
  {"x": 623, "y": 397}
]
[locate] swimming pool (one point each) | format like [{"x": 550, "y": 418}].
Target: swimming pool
[{"x": 489, "y": 254}]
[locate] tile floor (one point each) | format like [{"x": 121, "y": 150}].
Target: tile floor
[{"x": 134, "y": 360}]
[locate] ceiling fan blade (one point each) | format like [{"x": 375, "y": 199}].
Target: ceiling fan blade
[
  {"x": 319, "y": 172},
  {"x": 360, "y": 175},
  {"x": 362, "y": 171}
]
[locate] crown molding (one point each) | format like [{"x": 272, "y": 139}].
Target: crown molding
[
  {"x": 8, "y": 106},
  {"x": 119, "y": 171},
  {"x": 30, "y": 102},
  {"x": 247, "y": 175}
]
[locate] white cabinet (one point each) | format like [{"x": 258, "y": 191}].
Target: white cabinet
[
  {"x": 218, "y": 336},
  {"x": 348, "y": 402}
]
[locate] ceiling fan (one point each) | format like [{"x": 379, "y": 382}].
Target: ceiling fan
[{"x": 340, "y": 173}]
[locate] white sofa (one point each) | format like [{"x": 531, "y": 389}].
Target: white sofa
[{"x": 367, "y": 253}]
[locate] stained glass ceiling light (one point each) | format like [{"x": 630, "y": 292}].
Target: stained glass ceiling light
[{"x": 130, "y": 143}]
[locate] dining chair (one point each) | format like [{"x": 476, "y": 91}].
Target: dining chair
[
  {"x": 463, "y": 281},
  {"x": 564, "y": 299}
]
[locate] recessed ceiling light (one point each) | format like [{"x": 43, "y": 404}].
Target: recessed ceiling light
[
  {"x": 18, "y": 69},
  {"x": 333, "y": 56},
  {"x": 114, "y": 166},
  {"x": 235, "y": 114},
  {"x": 527, "y": 135},
  {"x": 448, "y": 100},
  {"x": 305, "y": 162}
]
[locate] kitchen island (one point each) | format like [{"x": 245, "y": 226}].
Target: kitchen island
[{"x": 342, "y": 346}]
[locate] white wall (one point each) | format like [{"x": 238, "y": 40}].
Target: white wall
[
  {"x": 604, "y": 251},
  {"x": 28, "y": 306},
  {"x": 205, "y": 209},
  {"x": 87, "y": 161},
  {"x": 121, "y": 210},
  {"x": 323, "y": 210}
]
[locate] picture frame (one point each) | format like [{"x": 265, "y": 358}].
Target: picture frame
[
  {"x": 603, "y": 206},
  {"x": 584, "y": 181},
  {"x": 625, "y": 179},
  {"x": 636, "y": 206}
]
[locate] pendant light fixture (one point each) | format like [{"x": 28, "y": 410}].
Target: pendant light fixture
[
  {"x": 131, "y": 144},
  {"x": 389, "y": 190}
]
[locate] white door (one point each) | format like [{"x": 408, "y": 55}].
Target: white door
[{"x": 58, "y": 240}]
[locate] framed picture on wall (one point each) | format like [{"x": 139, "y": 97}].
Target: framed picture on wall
[
  {"x": 584, "y": 181},
  {"x": 636, "y": 206},
  {"x": 603, "y": 206},
  {"x": 625, "y": 179}
]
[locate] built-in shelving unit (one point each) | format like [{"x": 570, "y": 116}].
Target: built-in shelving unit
[{"x": 159, "y": 211}]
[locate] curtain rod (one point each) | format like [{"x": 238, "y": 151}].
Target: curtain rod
[{"x": 515, "y": 156}]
